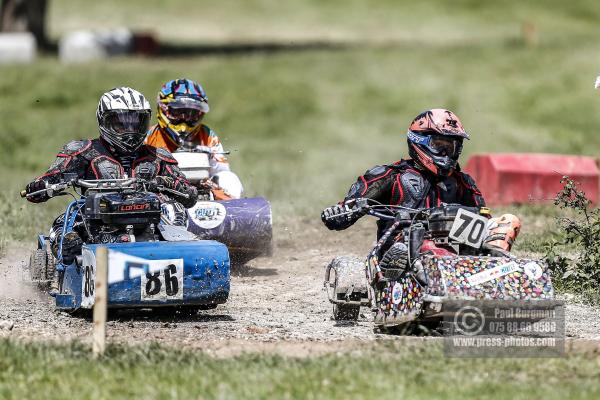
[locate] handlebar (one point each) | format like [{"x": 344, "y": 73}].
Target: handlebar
[
  {"x": 396, "y": 212},
  {"x": 100, "y": 185},
  {"x": 50, "y": 189},
  {"x": 202, "y": 149}
]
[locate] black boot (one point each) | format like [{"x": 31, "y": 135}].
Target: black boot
[
  {"x": 395, "y": 261},
  {"x": 71, "y": 247}
]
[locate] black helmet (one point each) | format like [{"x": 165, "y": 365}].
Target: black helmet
[{"x": 123, "y": 118}]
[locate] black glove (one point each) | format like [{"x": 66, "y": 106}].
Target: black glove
[
  {"x": 156, "y": 183},
  {"x": 36, "y": 186},
  {"x": 166, "y": 181},
  {"x": 190, "y": 192},
  {"x": 338, "y": 217}
]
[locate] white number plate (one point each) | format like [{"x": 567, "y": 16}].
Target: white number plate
[
  {"x": 88, "y": 279},
  {"x": 160, "y": 279},
  {"x": 469, "y": 228},
  {"x": 164, "y": 282}
]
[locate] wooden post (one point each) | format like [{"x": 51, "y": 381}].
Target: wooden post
[
  {"x": 530, "y": 33},
  {"x": 101, "y": 298}
]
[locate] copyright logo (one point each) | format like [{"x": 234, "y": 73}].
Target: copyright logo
[{"x": 469, "y": 321}]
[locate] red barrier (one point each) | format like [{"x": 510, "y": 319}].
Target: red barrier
[
  {"x": 145, "y": 43},
  {"x": 513, "y": 178}
]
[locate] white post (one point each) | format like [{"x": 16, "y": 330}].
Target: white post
[{"x": 101, "y": 298}]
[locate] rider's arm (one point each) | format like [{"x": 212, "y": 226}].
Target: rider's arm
[
  {"x": 218, "y": 161},
  {"x": 376, "y": 184},
  {"x": 175, "y": 179},
  {"x": 469, "y": 193},
  {"x": 156, "y": 138},
  {"x": 67, "y": 161}
]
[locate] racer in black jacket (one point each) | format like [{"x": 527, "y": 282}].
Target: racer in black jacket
[
  {"x": 93, "y": 159},
  {"x": 123, "y": 118},
  {"x": 430, "y": 177}
]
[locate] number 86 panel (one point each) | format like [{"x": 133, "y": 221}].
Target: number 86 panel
[{"x": 151, "y": 274}]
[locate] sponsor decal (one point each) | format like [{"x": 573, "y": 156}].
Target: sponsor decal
[
  {"x": 135, "y": 207},
  {"x": 397, "y": 293},
  {"x": 208, "y": 214},
  {"x": 493, "y": 273},
  {"x": 533, "y": 270},
  {"x": 417, "y": 138}
]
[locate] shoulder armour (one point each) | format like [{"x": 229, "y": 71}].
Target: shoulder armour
[
  {"x": 415, "y": 187},
  {"x": 400, "y": 165},
  {"x": 375, "y": 172},
  {"x": 75, "y": 147},
  {"x": 165, "y": 155},
  {"x": 413, "y": 183},
  {"x": 468, "y": 179},
  {"x": 207, "y": 129}
]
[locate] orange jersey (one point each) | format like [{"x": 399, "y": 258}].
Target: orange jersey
[{"x": 203, "y": 137}]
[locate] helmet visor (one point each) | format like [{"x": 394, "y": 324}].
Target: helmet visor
[
  {"x": 122, "y": 122},
  {"x": 445, "y": 146},
  {"x": 190, "y": 116},
  {"x": 186, "y": 109}
]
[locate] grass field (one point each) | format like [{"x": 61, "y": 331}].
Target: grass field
[
  {"x": 388, "y": 370},
  {"x": 301, "y": 126},
  {"x": 382, "y": 21}
]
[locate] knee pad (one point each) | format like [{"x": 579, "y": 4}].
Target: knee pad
[
  {"x": 173, "y": 213},
  {"x": 503, "y": 231},
  {"x": 230, "y": 183}
]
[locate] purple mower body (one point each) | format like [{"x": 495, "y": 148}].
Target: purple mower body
[{"x": 243, "y": 225}]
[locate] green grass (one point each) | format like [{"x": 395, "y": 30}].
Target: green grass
[
  {"x": 381, "y": 21},
  {"x": 303, "y": 125},
  {"x": 385, "y": 370}
]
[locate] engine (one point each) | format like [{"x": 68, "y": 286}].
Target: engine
[
  {"x": 441, "y": 218},
  {"x": 121, "y": 217}
]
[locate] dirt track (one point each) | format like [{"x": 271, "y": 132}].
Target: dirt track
[{"x": 275, "y": 304}]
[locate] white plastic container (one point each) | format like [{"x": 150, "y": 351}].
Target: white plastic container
[
  {"x": 195, "y": 166},
  {"x": 18, "y": 48},
  {"x": 83, "y": 46}
]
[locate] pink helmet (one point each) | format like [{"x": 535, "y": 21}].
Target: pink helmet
[{"x": 435, "y": 140}]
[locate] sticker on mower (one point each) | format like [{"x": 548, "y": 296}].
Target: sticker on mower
[
  {"x": 88, "y": 281},
  {"x": 469, "y": 228},
  {"x": 493, "y": 273},
  {"x": 207, "y": 214},
  {"x": 159, "y": 279},
  {"x": 397, "y": 293},
  {"x": 533, "y": 270}
]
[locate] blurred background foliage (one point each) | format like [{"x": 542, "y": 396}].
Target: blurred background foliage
[{"x": 303, "y": 121}]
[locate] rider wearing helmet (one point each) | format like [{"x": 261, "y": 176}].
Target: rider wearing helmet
[
  {"x": 182, "y": 104},
  {"x": 123, "y": 117},
  {"x": 430, "y": 177}
]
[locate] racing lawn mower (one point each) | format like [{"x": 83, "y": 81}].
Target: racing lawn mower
[
  {"x": 243, "y": 224},
  {"x": 151, "y": 264},
  {"x": 445, "y": 260}
]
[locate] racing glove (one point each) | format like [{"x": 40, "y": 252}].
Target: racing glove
[
  {"x": 180, "y": 186},
  {"x": 340, "y": 216},
  {"x": 160, "y": 181},
  {"x": 36, "y": 186}
]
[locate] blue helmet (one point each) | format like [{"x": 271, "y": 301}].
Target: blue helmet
[{"x": 182, "y": 104}]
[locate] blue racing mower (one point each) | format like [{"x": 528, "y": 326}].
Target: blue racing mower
[{"x": 151, "y": 264}]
